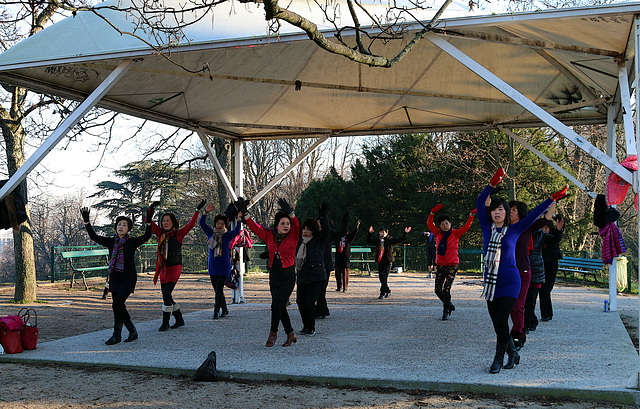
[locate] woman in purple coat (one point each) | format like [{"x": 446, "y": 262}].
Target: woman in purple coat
[{"x": 501, "y": 275}]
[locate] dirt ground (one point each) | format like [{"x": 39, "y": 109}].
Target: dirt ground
[{"x": 63, "y": 312}]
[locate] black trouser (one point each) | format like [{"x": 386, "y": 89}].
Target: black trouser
[
  {"x": 499, "y": 311},
  {"x": 444, "y": 280},
  {"x": 218, "y": 288},
  {"x": 281, "y": 283},
  {"x": 550, "y": 273},
  {"x": 118, "y": 306},
  {"x": 342, "y": 277},
  {"x": 167, "y": 289},
  {"x": 322, "y": 308},
  {"x": 306, "y": 298},
  {"x": 530, "y": 307},
  {"x": 383, "y": 276}
]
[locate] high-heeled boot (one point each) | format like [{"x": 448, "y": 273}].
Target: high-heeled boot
[
  {"x": 116, "y": 337},
  {"x": 498, "y": 360},
  {"x": 291, "y": 339},
  {"x": 513, "y": 355},
  {"x": 133, "y": 333},
  {"x": 271, "y": 341}
]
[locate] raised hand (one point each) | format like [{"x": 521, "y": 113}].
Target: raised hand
[
  {"x": 436, "y": 208},
  {"x": 150, "y": 210},
  {"x": 322, "y": 212},
  {"x": 407, "y": 229},
  {"x": 84, "y": 211},
  {"x": 209, "y": 208},
  {"x": 474, "y": 212},
  {"x": 285, "y": 206},
  {"x": 201, "y": 204},
  {"x": 497, "y": 177},
  {"x": 370, "y": 229},
  {"x": 560, "y": 194},
  {"x": 241, "y": 205}
]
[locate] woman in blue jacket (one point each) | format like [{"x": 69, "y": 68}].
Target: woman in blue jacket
[{"x": 218, "y": 238}]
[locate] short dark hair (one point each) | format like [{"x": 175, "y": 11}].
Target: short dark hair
[
  {"x": 222, "y": 217},
  {"x": 521, "y": 207},
  {"x": 311, "y": 224},
  {"x": 173, "y": 218},
  {"x": 384, "y": 229},
  {"x": 442, "y": 217},
  {"x": 121, "y": 218},
  {"x": 497, "y": 202},
  {"x": 276, "y": 219}
]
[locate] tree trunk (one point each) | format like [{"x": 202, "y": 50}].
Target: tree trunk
[{"x": 25, "y": 289}]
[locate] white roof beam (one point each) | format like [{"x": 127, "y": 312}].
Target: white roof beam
[
  {"x": 548, "y": 161},
  {"x": 627, "y": 114},
  {"x": 64, "y": 128},
  {"x": 216, "y": 164},
  {"x": 530, "y": 106}
]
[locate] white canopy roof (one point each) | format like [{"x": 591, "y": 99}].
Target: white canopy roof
[{"x": 259, "y": 87}]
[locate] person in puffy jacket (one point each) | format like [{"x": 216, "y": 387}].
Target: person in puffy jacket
[
  {"x": 447, "y": 260},
  {"x": 310, "y": 265},
  {"x": 218, "y": 239},
  {"x": 537, "y": 279}
]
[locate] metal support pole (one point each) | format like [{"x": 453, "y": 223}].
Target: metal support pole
[
  {"x": 64, "y": 128},
  {"x": 627, "y": 115},
  {"x": 611, "y": 151},
  {"x": 636, "y": 36},
  {"x": 548, "y": 161},
  {"x": 216, "y": 164},
  {"x": 289, "y": 168},
  {"x": 530, "y": 106},
  {"x": 237, "y": 295}
]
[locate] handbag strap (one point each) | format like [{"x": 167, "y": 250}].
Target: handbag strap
[{"x": 26, "y": 315}]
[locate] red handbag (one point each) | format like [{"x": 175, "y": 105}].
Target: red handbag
[
  {"x": 10, "y": 334},
  {"x": 30, "y": 329}
]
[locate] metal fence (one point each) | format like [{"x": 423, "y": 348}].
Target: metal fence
[{"x": 410, "y": 258}]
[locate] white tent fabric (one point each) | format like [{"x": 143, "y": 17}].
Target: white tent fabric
[{"x": 261, "y": 87}]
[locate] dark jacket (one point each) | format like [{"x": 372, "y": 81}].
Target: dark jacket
[
  {"x": 343, "y": 258},
  {"x": 313, "y": 269},
  {"x": 535, "y": 257},
  {"x": 127, "y": 279},
  {"x": 389, "y": 241},
  {"x": 333, "y": 236},
  {"x": 551, "y": 249}
]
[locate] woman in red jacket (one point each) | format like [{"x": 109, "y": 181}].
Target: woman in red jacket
[
  {"x": 447, "y": 260},
  {"x": 169, "y": 262},
  {"x": 281, "y": 242}
]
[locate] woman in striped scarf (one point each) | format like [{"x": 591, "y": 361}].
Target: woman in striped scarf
[
  {"x": 169, "y": 262},
  {"x": 501, "y": 275},
  {"x": 122, "y": 269}
]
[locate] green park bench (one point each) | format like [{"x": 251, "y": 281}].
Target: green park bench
[
  {"x": 358, "y": 255},
  {"x": 581, "y": 265},
  {"x": 78, "y": 258}
]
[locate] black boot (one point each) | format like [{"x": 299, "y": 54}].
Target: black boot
[
  {"x": 224, "y": 312},
  {"x": 116, "y": 337},
  {"x": 452, "y": 307},
  {"x": 133, "y": 333},
  {"x": 179, "y": 321},
  {"x": 105, "y": 292},
  {"x": 216, "y": 313},
  {"x": 166, "y": 316},
  {"x": 501, "y": 348},
  {"x": 445, "y": 314},
  {"x": 514, "y": 357}
]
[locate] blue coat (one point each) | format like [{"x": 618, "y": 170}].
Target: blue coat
[{"x": 220, "y": 266}]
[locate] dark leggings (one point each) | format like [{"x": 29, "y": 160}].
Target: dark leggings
[
  {"x": 444, "y": 280},
  {"x": 383, "y": 275},
  {"x": 322, "y": 308},
  {"x": 530, "y": 306},
  {"x": 218, "y": 288},
  {"x": 550, "y": 272},
  {"x": 499, "y": 311},
  {"x": 281, "y": 283},
  {"x": 118, "y": 306},
  {"x": 167, "y": 289}
]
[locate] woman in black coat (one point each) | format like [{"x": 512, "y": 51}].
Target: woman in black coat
[
  {"x": 122, "y": 269},
  {"x": 551, "y": 254},
  {"x": 311, "y": 270},
  {"x": 343, "y": 258},
  {"x": 384, "y": 255}
]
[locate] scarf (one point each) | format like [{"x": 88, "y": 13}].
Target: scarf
[
  {"x": 215, "y": 241},
  {"x": 492, "y": 262},
  {"x": 163, "y": 248},
  {"x": 342, "y": 243},
  {"x": 442, "y": 247},
  {"x": 301, "y": 255},
  {"x": 116, "y": 264},
  {"x": 279, "y": 237},
  {"x": 380, "y": 250}
]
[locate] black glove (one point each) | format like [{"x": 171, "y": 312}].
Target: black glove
[
  {"x": 150, "y": 210},
  {"x": 231, "y": 211},
  {"x": 201, "y": 205},
  {"x": 498, "y": 189},
  {"x": 241, "y": 204},
  {"x": 322, "y": 212},
  {"x": 264, "y": 255},
  {"x": 345, "y": 217},
  {"x": 284, "y": 206},
  {"x": 84, "y": 211}
]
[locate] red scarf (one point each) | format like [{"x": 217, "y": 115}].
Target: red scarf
[
  {"x": 380, "y": 249},
  {"x": 163, "y": 248}
]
